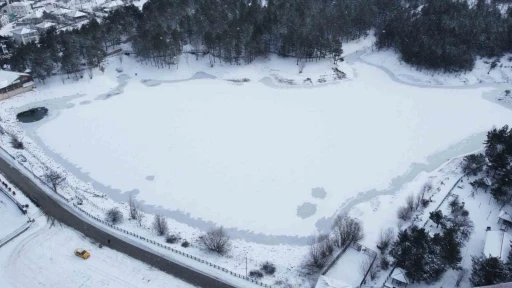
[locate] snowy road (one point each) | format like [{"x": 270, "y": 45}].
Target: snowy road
[
  {"x": 43, "y": 257},
  {"x": 52, "y": 207}
]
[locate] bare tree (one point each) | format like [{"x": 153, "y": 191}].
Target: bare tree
[
  {"x": 135, "y": 210},
  {"x": 160, "y": 225},
  {"x": 216, "y": 240},
  {"x": 52, "y": 221},
  {"x": 16, "y": 143},
  {"x": 301, "y": 66},
  {"x": 326, "y": 244},
  {"x": 365, "y": 266},
  {"x": 53, "y": 178},
  {"x": 460, "y": 276},
  {"x": 114, "y": 216},
  {"x": 385, "y": 239},
  {"x": 409, "y": 201},
  {"x": 346, "y": 230},
  {"x": 404, "y": 213},
  {"x": 315, "y": 258}
]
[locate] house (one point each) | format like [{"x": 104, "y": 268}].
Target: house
[
  {"x": 12, "y": 83},
  {"x": 42, "y": 27},
  {"x": 76, "y": 16},
  {"x": 20, "y": 9},
  {"x": 326, "y": 282},
  {"x": 4, "y": 20},
  {"x": 397, "y": 279},
  {"x": 111, "y": 5},
  {"x": 32, "y": 18},
  {"x": 25, "y": 35},
  {"x": 497, "y": 244},
  {"x": 505, "y": 220},
  {"x": 60, "y": 11}
]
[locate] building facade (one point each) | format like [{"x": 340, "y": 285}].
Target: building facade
[
  {"x": 25, "y": 35},
  {"x": 20, "y": 9}
]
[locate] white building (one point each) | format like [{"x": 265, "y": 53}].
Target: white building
[
  {"x": 43, "y": 26},
  {"x": 4, "y": 20},
  {"x": 20, "y": 9},
  {"x": 25, "y": 35},
  {"x": 497, "y": 244}
]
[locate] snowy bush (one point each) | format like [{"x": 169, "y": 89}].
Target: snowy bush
[
  {"x": 16, "y": 143},
  {"x": 160, "y": 225},
  {"x": 114, "y": 216},
  {"x": 268, "y": 268},
  {"x": 404, "y": 213},
  {"x": 385, "y": 239},
  {"x": 473, "y": 164},
  {"x": 172, "y": 238},
  {"x": 346, "y": 230},
  {"x": 216, "y": 240},
  {"x": 384, "y": 263},
  {"x": 255, "y": 274},
  {"x": 185, "y": 244}
]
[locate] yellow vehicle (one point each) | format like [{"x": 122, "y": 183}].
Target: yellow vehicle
[{"x": 82, "y": 253}]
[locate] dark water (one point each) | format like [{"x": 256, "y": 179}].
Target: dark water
[{"x": 32, "y": 115}]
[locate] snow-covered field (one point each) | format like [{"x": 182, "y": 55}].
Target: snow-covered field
[
  {"x": 213, "y": 150},
  {"x": 206, "y": 147},
  {"x": 43, "y": 257},
  {"x": 11, "y": 217}
]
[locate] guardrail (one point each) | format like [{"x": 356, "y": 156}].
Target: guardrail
[
  {"x": 15, "y": 234},
  {"x": 21, "y": 207},
  {"x": 173, "y": 250}
]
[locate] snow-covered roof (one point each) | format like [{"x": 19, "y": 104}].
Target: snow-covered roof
[
  {"x": 501, "y": 285},
  {"x": 32, "y": 16},
  {"x": 326, "y": 282},
  {"x": 22, "y": 31},
  {"x": 112, "y": 4},
  {"x": 76, "y": 14},
  {"x": 60, "y": 11},
  {"x": 497, "y": 244},
  {"x": 505, "y": 216},
  {"x": 44, "y": 25},
  {"x": 20, "y": 4},
  {"x": 399, "y": 275},
  {"x": 7, "y": 77}
]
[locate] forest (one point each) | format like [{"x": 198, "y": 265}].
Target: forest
[{"x": 438, "y": 35}]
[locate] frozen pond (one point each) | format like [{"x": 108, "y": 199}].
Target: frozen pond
[{"x": 255, "y": 158}]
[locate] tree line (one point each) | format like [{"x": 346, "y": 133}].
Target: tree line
[{"x": 432, "y": 34}]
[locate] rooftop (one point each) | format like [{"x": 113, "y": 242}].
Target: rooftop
[
  {"x": 505, "y": 216},
  {"x": 497, "y": 244},
  {"x": 76, "y": 14},
  {"x": 22, "y": 31},
  {"x": 7, "y": 77},
  {"x": 399, "y": 275},
  {"x": 45, "y": 25},
  {"x": 20, "y": 4}
]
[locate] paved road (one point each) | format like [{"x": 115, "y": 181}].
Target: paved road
[{"x": 51, "y": 207}]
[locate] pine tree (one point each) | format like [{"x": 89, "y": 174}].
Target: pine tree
[{"x": 487, "y": 271}]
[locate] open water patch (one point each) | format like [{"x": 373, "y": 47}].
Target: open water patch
[
  {"x": 32, "y": 115},
  {"x": 306, "y": 210}
]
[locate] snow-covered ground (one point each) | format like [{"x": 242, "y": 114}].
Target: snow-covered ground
[
  {"x": 212, "y": 149},
  {"x": 347, "y": 269},
  {"x": 248, "y": 147},
  {"x": 43, "y": 257},
  {"x": 10, "y": 216}
]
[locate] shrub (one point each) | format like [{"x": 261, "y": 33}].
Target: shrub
[
  {"x": 384, "y": 263},
  {"x": 17, "y": 144},
  {"x": 404, "y": 213},
  {"x": 172, "y": 238},
  {"x": 346, "y": 229},
  {"x": 268, "y": 267},
  {"x": 216, "y": 240},
  {"x": 114, "y": 216},
  {"x": 385, "y": 239},
  {"x": 255, "y": 274},
  {"x": 185, "y": 244},
  {"x": 160, "y": 225}
]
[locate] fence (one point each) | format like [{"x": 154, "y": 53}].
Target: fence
[
  {"x": 328, "y": 267},
  {"x": 174, "y": 250},
  {"x": 370, "y": 253},
  {"x": 21, "y": 207},
  {"x": 15, "y": 234}
]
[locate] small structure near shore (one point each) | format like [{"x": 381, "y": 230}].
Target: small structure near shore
[
  {"x": 13, "y": 83},
  {"x": 397, "y": 279}
]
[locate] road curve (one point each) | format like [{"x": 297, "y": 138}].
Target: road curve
[{"x": 53, "y": 208}]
